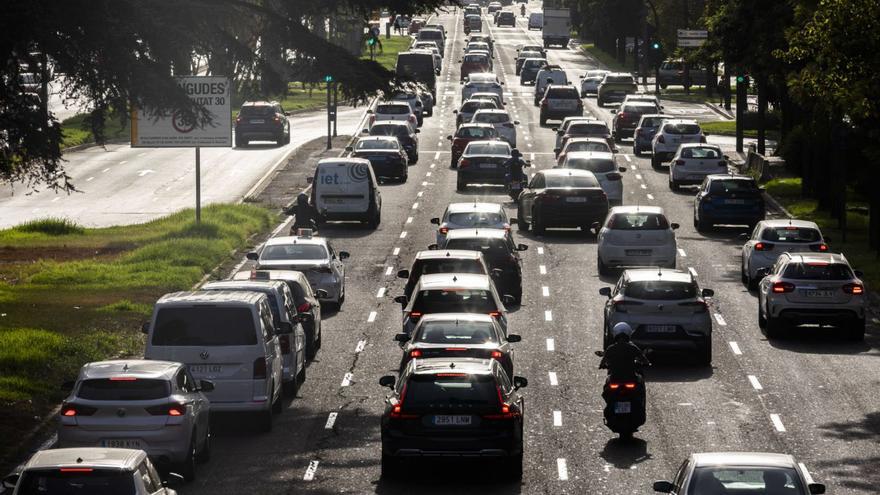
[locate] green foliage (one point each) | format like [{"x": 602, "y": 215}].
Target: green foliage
[
  {"x": 51, "y": 226},
  {"x": 124, "y": 305}
]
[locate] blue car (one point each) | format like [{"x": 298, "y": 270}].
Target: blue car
[{"x": 729, "y": 200}]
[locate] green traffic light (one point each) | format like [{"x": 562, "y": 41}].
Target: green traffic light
[
  {"x": 328, "y": 78},
  {"x": 371, "y": 41},
  {"x": 740, "y": 79},
  {"x": 656, "y": 46}
]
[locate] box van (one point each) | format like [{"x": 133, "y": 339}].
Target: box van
[
  {"x": 346, "y": 189},
  {"x": 227, "y": 337},
  {"x": 419, "y": 66}
]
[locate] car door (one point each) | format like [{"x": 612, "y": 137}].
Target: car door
[
  {"x": 528, "y": 195},
  {"x": 336, "y": 264}
]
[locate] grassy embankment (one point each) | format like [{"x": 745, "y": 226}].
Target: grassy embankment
[
  {"x": 74, "y": 134},
  {"x": 728, "y": 128}
]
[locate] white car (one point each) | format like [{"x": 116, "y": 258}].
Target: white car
[
  {"x": 672, "y": 134},
  {"x": 415, "y": 104},
  {"x": 312, "y": 255},
  {"x": 399, "y": 111},
  {"x": 154, "y": 406},
  {"x": 636, "y": 236},
  {"x": 472, "y": 87},
  {"x": 642, "y": 97},
  {"x": 590, "y": 81},
  {"x": 770, "y": 238},
  {"x": 693, "y": 162},
  {"x": 480, "y": 46},
  {"x": 489, "y": 96},
  {"x": 573, "y": 145},
  {"x": 500, "y": 120},
  {"x": 470, "y": 216},
  {"x": 552, "y": 72},
  {"x": 603, "y": 167}
]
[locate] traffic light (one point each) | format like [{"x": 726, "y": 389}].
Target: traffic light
[
  {"x": 328, "y": 78},
  {"x": 656, "y": 54},
  {"x": 655, "y": 45},
  {"x": 743, "y": 79},
  {"x": 371, "y": 40}
]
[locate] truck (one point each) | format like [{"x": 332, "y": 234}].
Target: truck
[{"x": 557, "y": 27}]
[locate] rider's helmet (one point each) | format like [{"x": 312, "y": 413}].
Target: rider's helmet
[
  {"x": 302, "y": 199},
  {"x": 621, "y": 330},
  {"x": 515, "y": 153}
]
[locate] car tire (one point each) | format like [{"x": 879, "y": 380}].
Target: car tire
[
  {"x": 521, "y": 222},
  {"x": 311, "y": 346},
  {"x": 292, "y": 387},
  {"x": 537, "y": 224},
  {"x": 602, "y": 267},
  {"x": 187, "y": 468},
  {"x": 762, "y": 322},
  {"x": 277, "y": 403},
  {"x": 460, "y": 185},
  {"x": 374, "y": 221},
  {"x": 204, "y": 455},
  {"x": 287, "y": 138},
  {"x": 265, "y": 421},
  {"x": 637, "y": 151},
  {"x": 403, "y": 178},
  {"x": 705, "y": 356},
  {"x": 617, "y": 138},
  {"x": 673, "y": 186},
  {"x": 855, "y": 331},
  {"x": 744, "y": 277},
  {"x": 390, "y": 467},
  {"x": 774, "y": 327},
  {"x": 240, "y": 142},
  {"x": 514, "y": 467},
  {"x": 279, "y": 140},
  {"x": 543, "y": 120},
  {"x": 655, "y": 161},
  {"x": 702, "y": 225}
]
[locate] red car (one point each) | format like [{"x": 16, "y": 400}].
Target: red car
[
  {"x": 474, "y": 62},
  {"x": 467, "y": 133}
]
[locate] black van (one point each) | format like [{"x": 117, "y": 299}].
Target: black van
[{"x": 419, "y": 66}]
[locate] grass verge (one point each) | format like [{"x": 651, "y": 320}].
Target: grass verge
[
  {"x": 607, "y": 59},
  {"x": 728, "y": 128},
  {"x": 75, "y": 132}
]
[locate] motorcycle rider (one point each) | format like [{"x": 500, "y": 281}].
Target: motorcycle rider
[
  {"x": 305, "y": 215},
  {"x": 522, "y": 10},
  {"x": 514, "y": 167},
  {"x": 623, "y": 359}
]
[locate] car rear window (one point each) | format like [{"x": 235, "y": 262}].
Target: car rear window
[
  {"x": 388, "y": 130},
  {"x": 492, "y": 249},
  {"x": 744, "y": 480},
  {"x": 701, "y": 152},
  {"x": 378, "y": 144},
  {"x": 528, "y": 54},
  {"x": 294, "y": 252},
  {"x": 455, "y": 301},
  {"x": 491, "y": 118},
  {"x": 393, "y": 109},
  {"x": 462, "y": 390},
  {"x": 639, "y": 109},
  {"x": 257, "y": 111},
  {"x": 733, "y": 186},
  {"x": 563, "y": 93},
  {"x": 664, "y": 290},
  {"x": 638, "y": 221},
  {"x": 476, "y": 132},
  {"x": 571, "y": 181},
  {"x": 456, "y": 332},
  {"x": 123, "y": 388},
  {"x": 790, "y": 233},
  {"x": 619, "y": 79},
  {"x": 588, "y": 146},
  {"x": 651, "y": 122},
  {"x": 475, "y": 219},
  {"x": 818, "y": 271},
  {"x": 532, "y": 64},
  {"x": 595, "y": 165},
  {"x": 681, "y": 129},
  {"x": 587, "y": 129},
  {"x": 91, "y": 482},
  {"x": 500, "y": 149},
  {"x": 476, "y": 58},
  {"x": 430, "y": 34},
  {"x": 204, "y": 326},
  {"x": 427, "y": 267},
  {"x": 505, "y": 15}
]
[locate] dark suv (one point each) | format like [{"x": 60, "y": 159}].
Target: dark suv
[
  {"x": 405, "y": 135},
  {"x": 627, "y": 119},
  {"x": 261, "y": 121},
  {"x": 448, "y": 407}
]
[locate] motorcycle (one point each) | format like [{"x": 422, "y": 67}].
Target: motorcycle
[
  {"x": 625, "y": 400},
  {"x": 522, "y": 11}
]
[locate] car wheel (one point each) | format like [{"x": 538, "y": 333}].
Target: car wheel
[
  {"x": 856, "y": 330},
  {"x": 762, "y": 322},
  {"x": 240, "y": 142},
  {"x": 187, "y": 468},
  {"x": 291, "y": 387},
  {"x": 617, "y": 138},
  {"x": 521, "y": 222},
  {"x": 404, "y": 177},
  {"x": 705, "y": 358},
  {"x": 453, "y": 163},
  {"x": 600, "y": 102},
  {"x": 204, "y": 455},
  {"x": 311, "y": 347},
  {"x": 655, "y": 161},
  {"x": 537, "y": 224},
  {"x": 673, "y": 186},
  {"x": 637, "y": 151},
  {"x": 753, "y": 282},
  {"x": 774, "y": 327},
  {"x": 277, "y": 403},
  {"x": 287, "y": 138},
  {"x": 515, "y": 467},
  {"x": 460, "y": 185},
  {"x": 602, "y": 267},
  {"x": 374, "y": 222},
  {"x": 265, "y": 421},
  {"x": 702, "y": 225},
  {"x": 279, "y": 141},
  {"x": 390, "y": 467},
  {"x": 543, "y": 120},
  {"x": 743, "y": 276}
]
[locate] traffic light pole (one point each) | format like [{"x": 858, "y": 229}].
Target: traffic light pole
[
  {"x": 335, "y": 107},
  {"x": 741, "y": 102},
  {"x": 329, "y": 117}
]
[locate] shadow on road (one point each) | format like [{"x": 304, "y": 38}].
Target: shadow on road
[
  {"x": 825, "y": 340},
  {"x": 624, "y": 454},
  {"x": 432, "y": 476},
  {"x": 854, "y": 473},
  {"x": 667, "y": 367}
]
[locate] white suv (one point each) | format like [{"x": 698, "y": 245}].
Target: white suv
[
  {"x": 770, "y": 238},
  {"x": 693, "y": 162},
  {"x": 672, "y": 134},
  {"x": 394, "y": 110},
  {"x": 500, "y": 120},
  {"x": 636, "y": 236}
]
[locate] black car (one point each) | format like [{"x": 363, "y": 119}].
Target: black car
[
  {"x": 453, "y": 407},
  {"x": 446, "y": 261},
  {"x": 522, "y": 56},
  {"x": 261, "y": 121},
  {"x": 729, "y": 200},
  {"x": 483, "y": 162},
  {"x": 562, "y": 197},
  {"x": 506, "y": 19},
  {"x": 499, "y": 251},
  {"x": 405, "y": 135},
  {"x": 385, "y": 154},
  {"x": 529, "y": 70}
]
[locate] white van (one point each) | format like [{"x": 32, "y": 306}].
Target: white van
[
  {"x": 346, "y": 189},
  {"x": 227, "y": 337}
]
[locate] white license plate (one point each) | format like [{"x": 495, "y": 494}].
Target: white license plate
[
  {"x": 488, "y": 165},
  {"x": 819, "y": 293},
  {"x": 622, "y": 407},
  {"x": 576, "y": 200},
  {"x": 638, "y": 252},
  {"x": 452, "y": 420},
  {"x": 258, "y": 121},
  {"x": 122, "y": 443},
  {"x": 734, "y": 201},
  {"x": 201, "y": 369},
  {"x": 660, "y": 328}
]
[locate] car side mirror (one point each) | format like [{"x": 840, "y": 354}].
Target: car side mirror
[
  {"x": 145, "y": 327},
  {"x": 286, "y": 328},
  {"x": 403, "y": 274},
  {"x": 708, "y": 293},
  {"x": 516, "y": 122},
  {"x": 304, "y": 318},
  {"x": 581, "y": 76},
  {"x": 455, "y": 111},
  {"x": 418, "y": 131},
  {"x": 726, "y": 157},
  {"x": 599, "y": 353},
  {"x": 173, "y": 480},
  {"x": 344, "y": 255},
  {"x": 522, "y": 247},
  {"x": 437, "y": 71},
  {"x": 253, "y": 256},
  {"x": 363, "y": 131},
  {"x": 595, "y": 227},
  {"x": 349, "y": 149},
  {"x": 206, "y": 385},
  {"x": 449, "y": 137},
  {"x": 762, "y": 272},
  {"x": 621, "y": 169},
  {"x": 401, "y": 299},
  {"x": 816, "y": 488},
  {"x": 555, "y": 129},
  {"x": 514, "y": 338},
  {"x": 402, "y": 337},
  {"x": 663, "y": 486},
  {"x": 744, "y": 237},
  {"x": 520, "y": 382},
  {"x": 435, "y": 221},
  {"x": 433, "y": 247},
  {"x": 387, "y": 381},
  {"x": 674, "y": 226},
  {"x": 557, "y": 150},
  {"x": 67, "y": 386},
  {"x": 614, "y": 111},
  {"x": 11, "y": 480},
  {"x": 605, "y": 291},
  {"x": 321, "y": 294}
]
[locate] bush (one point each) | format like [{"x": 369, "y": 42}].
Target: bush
[{"x": 51, "y": 226}]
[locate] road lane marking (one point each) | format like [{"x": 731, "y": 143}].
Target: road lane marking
[
  {"x": 562, "y": 467},
  {"x": 395, "y": 252},
  {"x": 389, "y": 270},
  {"x": 146, "y": 172},
  {"x": 90, "y": 179},
  {"x": 420, "y": 193},
  {"x": 643, "y": 186},
  {"x": 551, "y": 345},
  {"x": 425, "y": 184},
  {"x": 331, "y": 420},
  {"x": 360, "y": 346},
  {"x": 755, "y": 383},
  {"x": 720, "y": 319},
  {"x": 428, "y": 174},
  {"x": 693, "y": 271},
  {"x": 735, "y": 348},
  {"x": 542, "y": 269},
  {"x": 553, "y": 379},
  {"x": 540, "y": 250},
  {"x": 381, "y": 292},
  {"x": 777, "y": 423},
  {"x": 548, "y": 316},
  {"x": 557, "y": 418},
  {"x": 346, "y": 380},
  {"x": 310, "y": 471},
  {"x": 437, "y": 155},
  {"x": 403, "y": 235},
  {"x": 56, "y": 199},
  {"x": 108, "y": 169},
  {"x": 639, "y": 176},
  {"x": 634, "y": 167},
  {"x": 627, "y": 158},
  {"x": 682, "y": 253},
  {"x": 532, "y": 156},
  {"x": 545, "y": 291},
  {"x": 409, "y": 219},
  {"x": 123, "y": 162},
  {"x": 650, "y": 196},
  {"x": 415, "y": 206},
  {"x": 372, "y": 317},
  {"x": 807, "y": 475},
  {"x": 433, "y": 165}
]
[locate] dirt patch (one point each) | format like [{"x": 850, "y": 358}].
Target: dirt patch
[{"x": 9, "y": 254}]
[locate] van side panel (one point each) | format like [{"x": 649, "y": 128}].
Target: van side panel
[{"x": 342, "y": 188}]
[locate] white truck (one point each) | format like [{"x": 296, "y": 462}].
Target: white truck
[{"x": 557, "y": 27}]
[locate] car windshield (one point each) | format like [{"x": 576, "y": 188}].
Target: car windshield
[
  {"x": 563, "y": 93},
  {"x": 571, "y": 181},
  {"x": 595, "y": 165},
  {"x": 651, "y": 121},
  {"x": 455, "y": 301},
  {"x": 665, "y": 290},
  {"x": 294, "y": 252},
  {"x": 722, "y": 479},
  {"x": 497, "y": 149},
  {"x": 592, "y": 129},
  {"x": 818, "y": 271},
  {"x": 588, "y": 146},
  {"x": 524, "y": 54},
  {"x": 388, "y": 130},
  {"x": 257, "y": 111},
  {"x": 532, "y": 64},
  {"x": 491, "y": 118},
  {"x": 377, "y": 144},
  {"x": 733, "y": 186},
  {"x": 701, "y": 152},
  {"x": 638, "y": 221},
  {"x": 619, "y": 79},
  {"x": 456, "y": 332},
  {"x": 393, "y": 109},
  {"x": 430, "y": 34},
  {"x": 84, "y": 481},
  {"x": 493, "y": 250},
  {"x": 638, "y": 109},
  {"x": 204, "y": 326},
  {"x": 427, "y": 267},
  {"x": 791, "y": 234},
  {"x": 461, "y": 390},
  {"x": 476, "y": 132},
  {"x": 123, "y": 388},
  {"x": 681, "y": 129}
]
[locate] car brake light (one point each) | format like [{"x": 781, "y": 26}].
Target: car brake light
[
  {"x": 679, "y": 162},
  {"x": 629, "y": 385},
  {"x": 167, "y": 410},
  {"x": 763, "y": 246},
  {"x": 276, "y": 119},
  {"x": 496, "y": 355},
  {"x": 76, "y": 470},
  {"x": 456, "y": 349},
  {"x": 444, "y": 230},
  {"x": 238, "y": 120},
  {"x": 284, "y": 343},
  {"x": 782, "y": 287},
  {"x": 495, "y": 314},
  {"x": 464, "y": 163},
  {"x": 71, "y": 410},
  {"x": 622, "y": 115},
  {"x": 415, "y": 353},
  {"x": 855, "y": 289},
  {"x": 819, "y": 247},
  {"x": 259, "y": 368},
  {"x": 661, "y": 139},
  {"x": 396, "y": 409},
  {"x": 304, "y": 307},
  {"x": 415, "y": 315},
  {"x": 504, "y": 411},
  {"x": 699, "y": 306},
  {"x": 625, "y": 385}
]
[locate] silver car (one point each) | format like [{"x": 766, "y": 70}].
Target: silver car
[
  {"x": 666, "y": 309},
  {"x": 811, "y": 288},
  {"x": 636, "y": 236},
  {"x": 590, "y": 81},
  {"x": 469, "y": 216},
  {"x": 603, "y": 166},
  {"x": 501, "y": 121},
  {"x": 311, "y": 255},
  {"x": 770, "y": 238},
  {"x": 154, "y": 406}
]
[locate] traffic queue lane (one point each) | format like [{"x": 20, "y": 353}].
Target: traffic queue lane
[{"x": 799, "y": 397}]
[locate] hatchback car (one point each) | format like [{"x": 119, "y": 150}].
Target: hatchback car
[
  {"x": 559, "y": 102},
  {"x": 811, "y": 288},
  {"x": 489, "y": 96},
  {"x": 522, "y": 56},
  {"x": 561, "y": 198},
  {"x": 548, "y": 75},
  {"x": 405, "y": 134},
  {"x": 562, "y": 128},
  {"x": 397, "y": 110},
  {"x": 636, "y": 236},
  {"x": 500, "y": 120},
  {"x": 532, "y": 47},
  {"x": 645, "y": 130},
  {"x": 442, "y": 261},
  {"x": 585, "y": 128},
  {"x": 614, "y": 88},
  {"x": 770, "y": 238},
  {"x": 666, "y": 309},
  {"x": 693, "y": 162},
  {"x": 385, "y": 154},
  {"x": 728, "y": 199},
  {"x": 470, "y": 216},
  {"x": 536, "y": 20},
  {"x": 582, "y": 145},
  {"x": 590, "y": 81},
  {"x": 462, "y": 407},
  {"x": 672, "y": 134},
  {"x": 477, "y": 46},
  {"x": 626, "y": 120},
  {"x": 465, "y": 113},
  {"x": 602, "y": 165},
  {"x": 482, "y": 162},
  {"x": 505, "y": 18},
  {"x": 481, "y": 85},
  {"x": 415, "y": 103},
  {"x": 154, "y": 406},
  {"x": 484, "y": 37},
  {"x": 529, "y": 70},
  {"x": 261, "y": 121},
  {"x": 464, "y": 135},
  {"x": 474, "y": 62}
]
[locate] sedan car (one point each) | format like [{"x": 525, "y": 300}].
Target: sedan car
[
  {"x": 585, "y": 144},
  {"x": 458, "y": 335},
  {"x": 561, "y": 198},
  {"x": 154, "y": 406},
  {"x": 770, "y": 238},
  {"x": 405, "y": 134},
  {"x": 532, "y": 47},
  {"x": 478, "y": 46},
  {"x": 484, "y": 37},
  {"x": 693, "y": 162},
  {"x": 471, "y": 215},
  {"x": 500, "y": 120},
  {"x": 672, "y": 134},
  {"x": 529, "y": 70},
  {"x": 522, "y": 56},
  {"x": 467, "y": 133},
  {"x": 636, "y": 236},
  {"x": 442, "y": 261},
  {"x": 489, "y": 96},
  {"x": 728, "y": 199},
  {"x": 386, "y": 156},
  {"x": 811, "y": 288},
  {"x": 602, "y": 165},
  {"x": 482, "y": 162},
  {"x": 614, "y": 88},
  {"x": 559, "y": 102},
  {"x": 590, "y": 81},
  {"x": 465, "y": 113},
  {"x": 741, "y": 472},
  {"x": 666, "y": 309},
  {"x": 562, "y": 128},
  {"x": 645, "y": 130}
]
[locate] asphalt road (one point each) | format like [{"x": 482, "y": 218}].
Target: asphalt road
[{"x": 814, "y": 396}]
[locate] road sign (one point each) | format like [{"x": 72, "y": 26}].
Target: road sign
[
  {"x": 693, "y": 33},
  {"x": 690, "y": 43},
  {"x": 173, "y": 131}
]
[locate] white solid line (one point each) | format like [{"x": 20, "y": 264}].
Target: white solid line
[
  {"x": 409, "y": 219},
  {"x": 360, "y": 347},
  {"x": 720, "y": 319},
  {"x": 346, "y": 380},
  {"x": 310, "y": 471},
  {"x": 545, "y": 291},
  {"x": 372, "y": 317},
  {"x": 682, "y": 253},
  {"x": 403, "y": 235},
  {"x": 551, "y": 345},
  {"x": 542, "y": 269},
  {"x": 693, "y": 271},
  {"x": 735, "y": 348},
  {"x": 395, "y": 251},
  {"x": 436, "y": 155},
  {"x": 639, "y": 176},
  {"x": 562, "y": 467},
  {"x": 381, "y": 292},
  {"x": 389, "y": 270},
  {"x": 755, "y": 383},
  {"x": 650, "y": 196},
  {"x": 415, "y": 206},
  {"x": 777, "y": 423},
  {"x": 548, "y": 316},
  {"x": 553, "y": 379},
  {"x": 557, "y": 418},
  {"x": 540, "y": 250},
  {"x": 627, "y": 158},
  {"x": 331, "y": 420}
]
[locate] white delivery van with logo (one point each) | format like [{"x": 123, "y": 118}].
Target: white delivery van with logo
[{"x": 345, "y": 189}]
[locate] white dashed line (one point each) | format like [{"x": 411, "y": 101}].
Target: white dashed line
[
  {"x": 542, "y": 269},
  {"x": 735, "y": 348},
  {"x": 425, "y": 184},
  {"x": 545, "y": 291},
  {"x": 532, "y": 156},
  {"x": 540, "y": 250},
  {"x": 643, "y": 186},
  {"x": 548, "y": 316},
  {"x": 551, "y": 345},
  {"x": 381, "y": 292},
  {"x": 346, "y": 380},
  {"x": 557, "y": 418},
  {"x": 755, "y": 383},
  {"x": 415, "y": 206},
  {"x": 372, "y": 317},
  {"x": 310, "y": 471},
  {"x": 650, "y": 196},
  {"x": 420, "y": 193},
  {"x": 436, "y": 155},
  {"x": 331, "y": 420},
  {"x": 433, "y": 165},
  {"x": 395, "y": 251},
  {"x": 553, "y": 379},
  {"x": 123, "y": 162},
  {"x": 90, "y": 179},
  {"x": 56, "y": 199},
  {"x": 428, "y": 174},
  {"x": 720, "y": 320},
  {"x": 682, "y": 253},
  {"x": 409, "y": 219},
  {"x": 693, "y": 271},
  {"x": 562, "y": 467},
  {"x": 107, "y": 170},
  {"x": 403, "y": 235},
  {"x": 389, "y": 270},
  {"x": 639, "y": 176},
  {"x": 777, "y": 423},
  {"x": 627, "y": 158}
]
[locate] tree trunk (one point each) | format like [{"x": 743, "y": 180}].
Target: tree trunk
[{"x": 762, "y": 115}]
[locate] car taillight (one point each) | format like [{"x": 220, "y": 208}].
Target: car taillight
[
  {"x": 259, "y": 368},
  {"x": 622, "y": 115},
  {"x": 304, "y": 307},
  {"x": 276, "y": 119},
  {"x": 415, "y": 353},
  {"x": 397, "y": 408},
  {"x": 505, "y": 411},
  {"x": 238, "y": 120},
  {"x": 372, "y": 119},
  {"x": 782, "y": 287},
  {"x": 167, "y": 410},
  {"x": 544, "y": 103},
  {"x": 415, "y": 315},
  {"x": 412, "y": 118},
  {"x": 679, "y": 162},
  {"x": 506, "y": 227},
  {"x": 494, "y": 314},
  {"x": 763, "y": 246},
  {"x": 698, "y": 306},
  {"x": 623, "y": 306},
  {"x": 444, "y": 230},
  {"x": 464, "y": 163},
  {"x": 496, "y": 355},
  {"x": 71, "y": 410},
  {"x": 624, "y": 386},
  {"x": 819, "y": 247},
  {"x": 284, "y": 343},
  {"x": 855, "y": 289},
  {"x": 661, "y": 139}
]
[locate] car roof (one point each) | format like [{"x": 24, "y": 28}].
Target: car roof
[
  {"x": 478, "y": 232},
  {"x": 681, "y": 121},
  {"x": 347, "y": 160},
  {"x": 136, "y": 368},
  {"x": 493, "y": 110},
  {"x": 473, "y": 366},
  {"x": 486, "y": 141},
  {"x": 730, "y": 177},
  {"x": 699, "y": 145},
  {"x": 793, "y": 222},
  {"x": 259, "y": 103},
  {"x": 637, "y": 103},
  {"x": 647, "y": 274},
  {"x": 571, "y": 172},
  {"x": 584, "y": 139},
  {"x": 457, "y": 317},
  {"x": 261, "y": 285},
  {"x": 450, "y": 280},
  {"x": 294, "y": 239},
  {"x": 392, "y": 103},
  {"x": 211, "y": 297},
  {"x": 431, "y": 254},
  {"x": 743, "y": 459},
  {"x": 473, "y": 206},
  {"x": 93, "y": 457},
  {"x": 817, "y": 257},
  {"x": 636, "y": 209},
  {"x": 590, "y": 155}
]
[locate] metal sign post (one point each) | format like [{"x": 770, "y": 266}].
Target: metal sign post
[{"x": 198, "y": 185}]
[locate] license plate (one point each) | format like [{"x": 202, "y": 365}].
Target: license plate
[
  {"x": 515, "y": 187},
  {"x": 576, "y": 200},
  {"x": 660, "y": 328},
  {"x": 488, "y": 165},
  {"x": 378, "y": 158},
  {"x": 622, "y": 407},
  {"x": 638, "y": 252},
  {"x": 258, "y": 121},
  {"x": 334, "y": 201},
  {"x": 201, "y": 369},
  {"x": 452, "y": 420},
  {"x": 122, "y": 443},
  {"x": 819, "y": 293},
  {"x": 734, "y": 201}
]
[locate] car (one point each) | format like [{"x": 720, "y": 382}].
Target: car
[
  {"x": 529, "y": 70},
  {"x": 735, "y": 472},
  {"x": 562, "y": 128},
  {"x": 588, "y": 127},
  {"x": 536, "y": 21},
  {"x": 494, "y": 7},
  {"x": 643, "y": 98},
  {"x": 415, "y": 24},
  {"x": 561, "y": 198},
  {"x": 614, "y": 87},
  {"x": 474, "y": 62},
  {"x": 522, "y": 56},
  {"x": 395, "y": 110},
  {"x": 454, "y": 293},
  {"x": 666, "y": 309},
  {"x": 467, "y": 133},
  {"x": 228, "y": 338},
  {"x": 500, "y": 120},
  {"x": 472, "y": 9},
  {"x": 626, "y": 119},
  {"x": 430, "y": 46},
  {"x": 473, "y": 23},
  {"x": 505, "y": 18},
  {"x": 770, "y": 238},
  {"x": 549, "y": 74},
  {"x": 313, "y": 255},
  {"x": 671, "y": 72},
  {"x": 385, "y": 154},
  {"x": 261, "y": 121},
  {"x": 590, "y": 81},
  {"x": 425, "y": 407},
  {"x": 458, "y": 335},
  {"x": 308, "y": 304},
  {"x": 92, "y": 470},
  {"x": 470, "y": 215},
  {"x": 583, "y": 144},
  {"x": 478, "y": 46},
  {"x": 635, "y": 236},
  {"x": 484, "y": 37},
  {"x": 489, "y": 58},
  {"x": 499, "y": 251},
  {"x": 483, "y": 162},
  {"x": 560, "y": 101},
  {"x": 603, "y": 166},
  {"x": 532, "y": 47},
  {"x": 811, "y": 288},
  {"x": 442, "y": 261},
  {"x": 728, "y": 199},
  {"x": 428, "y": 33},
  {"x": 693, "y": 162},
  {"x": 672, "y": 134},
  {"x": 465, "y": 113},
  {"x": 645, "y": 130},
  {"x": 481, "y": 85},
  {"x": 293, "y": 340},
  {"x": 414, "y": 101},
  {"x": 405, "y": 134},
  {"x": 346, "y": 189}
]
